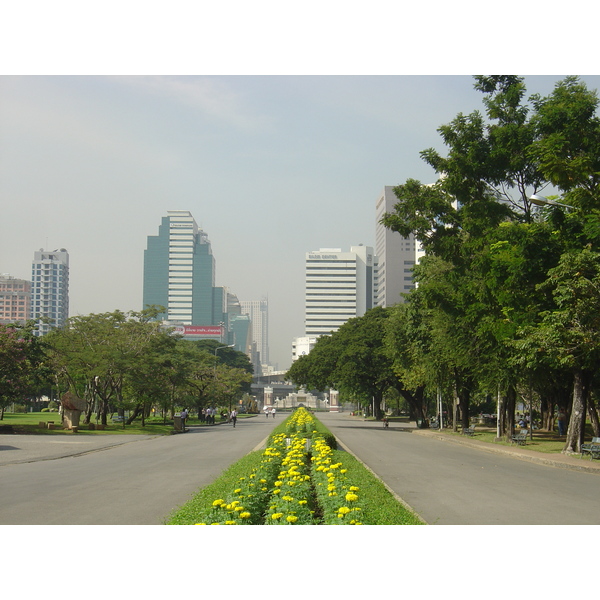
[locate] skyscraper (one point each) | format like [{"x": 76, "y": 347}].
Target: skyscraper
[
  {"x": 339, "y": 286},
  {"x": 179, "y": 274},
  {"x": 397, "y": 255},
  {"x": 50, "y": 289},
  {"x": 258, "y": 311}
]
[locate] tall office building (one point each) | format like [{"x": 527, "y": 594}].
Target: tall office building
[
  {"x": 397, "y": 255},
  {"x": 50, "y": 289},
  {"x": 179, "y": 274},
  {"x": 258, "y": 311},
  {"x": 15, "y": 299},
  {"x": 339, "y": 286}
]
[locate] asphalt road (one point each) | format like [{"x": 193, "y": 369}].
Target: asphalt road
[
  {"x": 451, "y": 484},
  {"x": 116, "y": 480}
]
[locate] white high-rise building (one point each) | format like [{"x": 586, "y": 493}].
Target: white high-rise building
[
  {"x": 50, "y": 289},
  {"x": 397, "y": 255},
  {"x": 258, "y": 311},
  {"x": 339, "y": 286}
]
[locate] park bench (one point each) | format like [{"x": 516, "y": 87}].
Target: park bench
[
  {"x": 117, "y": 419},
  {"x": 470, "y": 431},
  {"x": 520, "y": 438},
  {"x": 592, "y": 448}
]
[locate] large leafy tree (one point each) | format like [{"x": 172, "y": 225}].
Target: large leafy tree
[
  {"x": 22, "y": 363},
  {"x": 492, "y": 167},
  {"x": 568, "y": 335},
  {"x": 93, "y": 355},
  {"x": 355, "y": 360}
]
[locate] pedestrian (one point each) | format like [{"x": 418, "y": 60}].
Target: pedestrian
[
  {"x": 233, "y": 416},
  {"x": 184, "y": 415},
  {"x": 267, "y": 412},
  {"x": 562, "y": 422},
  {"x": 273, "y": 412}
]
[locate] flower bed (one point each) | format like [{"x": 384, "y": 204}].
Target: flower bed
[{"x": 296, "y": 483}]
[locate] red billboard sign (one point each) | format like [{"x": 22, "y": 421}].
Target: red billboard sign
[{"x": 199, "y": 330}]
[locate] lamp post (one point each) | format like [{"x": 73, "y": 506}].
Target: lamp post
[
  {"x": 543, "y": 201},
  {"x": 215, "y": 371}
]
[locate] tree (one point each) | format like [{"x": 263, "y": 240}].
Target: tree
[
  {"x": 569, "y": 334},
  {"x": 22, "y": 363},
  {"x": 93, "y": 355},
  {"x": 492, "y": 167},
  {"x": 353, "y": 360}
]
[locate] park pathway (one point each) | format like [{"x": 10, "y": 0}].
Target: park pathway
[
  {"x": 459, "y": 484},
  {"x": 116, "y": 480}
]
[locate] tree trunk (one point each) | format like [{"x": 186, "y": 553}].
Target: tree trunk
[
  {"x": 593, "y": 412},
  {"x": 576, "y": 427},
  {"x": 377, "y": 413},
  {"x": 136, "y": 411},
  {"x": 415, "y": 403},
  {"x": 547, "y": 414},
  {"x": 509, "y": 416}
]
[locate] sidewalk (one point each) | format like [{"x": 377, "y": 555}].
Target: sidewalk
[{"x": 562, "y": 461}]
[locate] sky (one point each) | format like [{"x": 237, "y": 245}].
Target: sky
[{"x": 271, "y": 167}]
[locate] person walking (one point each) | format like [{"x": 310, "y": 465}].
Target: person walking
[
  {"x": 562, "y": 421},
  {"x": 184, "y": 415},
  {"x": 273, "y": 412},
  {"x": 233, "y": 416}
]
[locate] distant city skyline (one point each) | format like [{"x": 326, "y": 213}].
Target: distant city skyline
[{"x": 271, "y": 166}]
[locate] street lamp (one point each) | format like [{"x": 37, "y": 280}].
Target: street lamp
[{"x": 543, "y": 201}]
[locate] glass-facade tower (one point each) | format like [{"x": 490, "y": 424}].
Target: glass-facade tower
[{"x": 179, "y": 272}]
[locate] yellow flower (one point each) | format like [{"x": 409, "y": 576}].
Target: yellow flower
[
  {"x": 230, "y": 523},
  {"x": 292, "y": 518},
  {"x": 245, "y": 515},
  {"x": 219, "y": 502},
  {"x": 276, "y": 516},
  {"x": 350, "y": 497},
  {"x": 344, "y": 510},
  {"x": 353, "y": 488}
]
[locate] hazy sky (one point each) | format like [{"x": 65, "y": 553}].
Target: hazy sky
[{"x": 271, "y": 167}]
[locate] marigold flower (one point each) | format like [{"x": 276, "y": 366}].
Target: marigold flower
[
  {"x": 219, "y": 502},
  {"x": 291, "y": 518},
  {"x": 276, "y": 516},
  {"x": 245, "y": 515},
  {"x": 351, "y": 497}
]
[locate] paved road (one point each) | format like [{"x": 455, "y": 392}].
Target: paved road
[
  {"x": 453, "y": 484},
  {"x": 115, "y": 480},
  {"x": 142, "y": 479}
]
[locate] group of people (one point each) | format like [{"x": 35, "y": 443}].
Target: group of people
[
  {"x": 269, "y": 411},
  {"x": 207, "y": 415}
]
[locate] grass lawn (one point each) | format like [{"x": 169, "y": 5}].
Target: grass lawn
[{"x": 29, "y": 423}]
